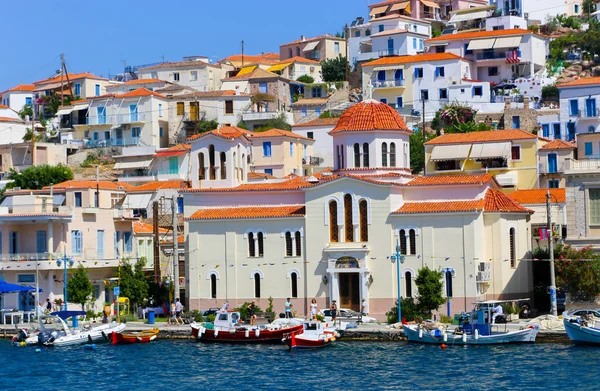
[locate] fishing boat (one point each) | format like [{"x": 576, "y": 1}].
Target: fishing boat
[
  {"x": 314, "y": 335},
  {"x": 583, "y": 330},
  {"x": 124, "y": 337},
  {"x": 227, "y": 328}
]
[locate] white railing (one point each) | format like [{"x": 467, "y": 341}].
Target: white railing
[
  {"x": 545, "y": 168},
  {"x": 264, "y": 115},
  {"x": 30, "y": 257},
  {"x": 36, "y": 209},
  {"x": 589, "y": 165}
]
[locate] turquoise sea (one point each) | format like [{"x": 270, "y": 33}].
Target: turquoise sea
[{"x": 185, "y": 365}]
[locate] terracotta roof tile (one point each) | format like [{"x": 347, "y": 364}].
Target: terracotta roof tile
[
  {"x": 318, "y": 38},
  {"x": 318, "y": 122},
  {"x": 36, "y": 215},
  {"x": 559, "y": 144},
  {"x": 260, "y": 175},
  {"x": 497, "y": 201},
  {"x": 143, "y": 228},
  {"x": 294, "y": 183},
  {"x": 370, "y": 115},
  {"x": 140, "y": 81},
  {"x": 179, "y": 64},
  {"x": 249, "y": 212},
  {"x": 425, "y": 57},
  {"x": 479, "y": 34},
  {"x": 278, "y": 133},
  {"x": 584, "y": 81},
  {"x": 538, "y": 196},
  {"x": 72, "y": 77},
  {"x": 153, "y": 186},
  {"x": 83, "y": 184},
  {"x": 211, "y": 94},
  {"x": 10, "y": 119},
  {"x": 20, "y": 88},
  {"x": 310, "y": 102},
  {"x": 251, "y": 58},
  {"x": 258, "y": 73},
  {"x": 481, "y": 137},
  {"x": 395, "y": 32},
  {"x": 226, "y": 132},
  {"x": 140, "y": 92},
  {"x": 451, "y": 180},
  {"x": 180, "y": 240},
  {"x": 299, "y": 59}
]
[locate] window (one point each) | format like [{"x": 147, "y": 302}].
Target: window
[
  {"x": 348, "y": 225},
  {"x": 298, "y": 239},
  {"x": 136, "y": 132},
  {"x": 447, "y": 165},
  {"x": 364, "y": 220},
  {"x": 591, "y": 129},
  {"x": 408, "y": 283},
  {"x": 266, "y": 148},
  {"x": 97, "y": 89},
  {"x": 589, "y": 149},
  {"x": 333, "y": 225},
  {"x": 257, "y": 285},
  {"x": 576, "y": 8},
  {"x": 269, "y": 171},
  {"x": 412, "y": 239},
  {"x": 493, "y": 71},
  {"x": 594, "y": 195},
  {"x": 318, "y": 111},
  {"x": 414, "y": 43},
  {"x": 467, "y": 51},
  {"x": 223, "y": 165},
  {"x": 304, "y": 112},
  {"x": 175, "y": 76},
  {"x": 420, "y": 44},
  {"x": 77, "y": 89},
  {"x": 556, "y": 128},
  {"x": 128, "y": 242},
  {"x": 161, "y": 132},
  {"x": 477, "y": 91},
  {"x": 402, "y": 235},
  {"x": 573, "y": 107},
  {"x": 101, "y": 112},
  {"x": 41, "y": 242},
  {"x": 357, "y": 155},
  {"x": 384, "y": 152},
  {"x": 392, "y": 155},
  {"x": 383, "y": 100},
  {"x": 78, "y": 200},
  {"x": 117, "y": 238},
  {"x": 76, "y": 242},
  {"x": 310, "y": 135},
  {"x": 100, "y": 240},
  {"x": 570, "y": 131},
  {"x": 179, "y": 204},
  {"x": 289, "y": 245},
  {"x": 448, "y": 283},
  {"x": 440, "y": 72},
  {"x": 418, "y": 73},
  {"x": 291, "y": 148},
  {"x": 262, "y": 88},
  {"x": 317, "y": 92},
  {"x": 212, "y": 169},
  {"x": 443, "y": 93},
  {"x": 193, "y": 75},
  {"x": 399, "y": 102},
  {"x": 367, "y": 32},
  {"x": 201, "y": 169},
  {"x": 590, "y": 108},
  {"x": 297, "y": 51},
  {"x": 260, "y": 240},
  {"x": 96, "y": 199},
  {"x": 366, "y": 155},
  {"x": 251, "y": 245},
  {"x": 515, "y": 152},
  {"x": 336, "y": 47},
  {"x": 294, "y": 283},
  {"x": 180, "y": 108},
  {"x": 357, "y": 34},
  {"x": 512, "y": 251},
  {"x": 381, "y": 27},
  {"x": 424, "y": 94},
  {"x": 160, "y": 111},
  {"x": 339, "y": 159},
  {"x": 13, "y": 242},
  {"x": 213, "y": 286},
  {"x": 546, "y": 130},
  {"x": 228, "y": 107},
  {"x": 440, "y": 49},
  {"x": 25, "y": 278},
  {"x": 553, "y": 183}
]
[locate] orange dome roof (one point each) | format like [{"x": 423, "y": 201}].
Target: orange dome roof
[{"x": 370, "y": 115}]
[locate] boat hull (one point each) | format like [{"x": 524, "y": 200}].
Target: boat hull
[
  {"x": 521, "y": 336},
  {"x": 301, "y": 342},
  {"x": 135, "y": 337},
  {"x": 580, "y": 334},
  {"x": 239, "y": 335}
]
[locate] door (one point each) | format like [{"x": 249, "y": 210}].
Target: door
[
  {"x": 516, "y": 122},
  {"x": 133, "y": 113},
  {"x": 41, "y": 243},
  {"x": 390, "y": 47},
  {"x": 349, "y": 291},
  {"x": 590, "y": 108},
  {"x": 119, "y": 136},
  {"x": 399, "y": 74},
  {"x": 173, "y": 165},
  {"x": 552, "y": 163}
]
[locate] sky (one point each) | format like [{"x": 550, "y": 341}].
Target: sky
[{"x": 97, "y": 36}]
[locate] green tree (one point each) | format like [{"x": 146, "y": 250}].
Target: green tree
[
  {"x": 27, "y": 136},
  {"x": 27, "y": 110},
  {"x": 206, "y": 126},
  {"x": 133, "y": 282},
  {"x": 36, "y": 177},
  {"x": 588, "y": 6},
  {"x": 275, "y": 123},
  {"x": 417, "y": 151},
  {"x": 306, "y": 79},
  {"x": 429, "y": 285},
  {"x": 550, "y": 92},
  {"x": 79, "y": 287},
  {"x": 409, "y": 309},
  {"x": 578, "y": 271},
  {"x": 242, "y": 125},
  {"x": 328, "y": 114},
  {"x": 334, "y": 69}
]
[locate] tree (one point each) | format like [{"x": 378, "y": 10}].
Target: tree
[
  {"x": 79, "y": 287},
  {"x": 578, "y": 272},
  {"x": 133, "y": 282},
  {"x": 417, "y": 151},
  {"x": 334, "y": 69},
  {"x": 328, "y": 114},
  {"x": 206, "y": 126},
  {"x": 306, "y": 79},
  {"x": 27, "y": 136},
  {"x": 275, "y": 123},
  {"x": 588, "y": 6},
  {"x": 26, "y": 111},
  {"x": 550, "y": 92},
  {"x": 409, "y": 309},
  {"x": 36, "y": 177},
  {"x": 429, "y": 285}
]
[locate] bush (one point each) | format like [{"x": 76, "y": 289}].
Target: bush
[
  {"x": 549, "y": 92},
  {"x": 306, "y": 79},
  {"x": 445, "y": 319},
  {"x": 128, "y": 318},
  {"x": 243, "y": 310},
  {"x": 197, "y": 316},
  {"x": 328, "y": 114},
  {"x": 211, "y": 318},
  {"x": 409, "y": 309},
  {"x": 36, "y": 177}
]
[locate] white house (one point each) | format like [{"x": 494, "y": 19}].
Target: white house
[
  {"x": 17, "y": 97},
  {"x": 195, "y": 72},
  {"x": 318, "y": 130},
  {"x": 578, "y": 108}
]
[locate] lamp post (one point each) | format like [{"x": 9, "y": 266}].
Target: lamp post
[
  {"x": 398, "y": 259},
  {"x": 448, "y": 273},
  {"x": 63, "y": 262}
]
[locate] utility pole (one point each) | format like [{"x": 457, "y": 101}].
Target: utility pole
[
  {"x": 62, "y": 75},
  {"x": 346, "y": 31},
  {"x": 32, "y": 137},
  {"x": 175, "y": 246},
  {"x": 242, "y": 52},
  {"x": 156, "y": 242},
  {"x": 553, "y": 306},
  {"x": 423, "y": 131}
]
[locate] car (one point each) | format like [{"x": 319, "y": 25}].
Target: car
[
  {"x": 586, "y": 311},
  {"x": 210, "y": 311},
  {"x": 348, "y": 315}
]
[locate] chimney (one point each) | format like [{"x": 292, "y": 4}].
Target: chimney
[
  {"x": 302, "y": 38},
  {"x": 506, "y": 102},
  {"x": 526, "y": 102}
]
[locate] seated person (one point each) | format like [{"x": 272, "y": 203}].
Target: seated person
[{"x": 497, "y": 311}]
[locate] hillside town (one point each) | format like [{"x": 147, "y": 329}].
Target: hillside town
[{"x": 455, "y": 135}]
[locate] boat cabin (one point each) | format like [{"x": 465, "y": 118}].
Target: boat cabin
[{"x": 226, "y": 319}]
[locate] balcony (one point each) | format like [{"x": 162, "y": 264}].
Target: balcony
[
  {"x": 583, "y": 166},
  {"x": 131, "y": 118},
  {"x": 496, "y": 55},
  {"x": 36, "y": 212},
  {"x": 547, "y": 169},
  {"x": 312, "y": 161},
  {"x": 112, "y": 142},
  {"x": 24, "y": 257},
  {"x": 159, "y": 175},
  {"x": 387, "y": 83},
  {"x": 588, "y": 113},
  {"x": 266, "y": 115},
  {"x": 389, "y": 52}
]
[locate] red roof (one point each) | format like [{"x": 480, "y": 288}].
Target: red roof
[
  {"x": 278, "y": 133},
  {"x": 143, "y": 228},
  {"x": 211, "y": 94},
  {"x": 140, "y": 92},
  {"x": 177, "y": 150},
  {"x": 299, "y": 59},
  {"x": 320, "y": 37},
  {"x": 318, "y": 122},
  {"x": 140, "y": 81},
  {"x": 559, "y": 144},
  {"x": 249, "y": 212},
  {"x": 72, "y": 76},
  {"x": 9, "y": 119},
  {"x": 424, "y": 57},
  {"x": 481, "y": 137},
  {"x": 83, "y": 184},
  {"x": 251, "y": 58},
  {"x": 153, "y": 186},
  {"x": 370, "y": 115},
  {"x": 585, "y": 81},
  {"x": 294, "y": 183},
  {"x": 479, "y": 34},
  {"x": 226, "y": 132},
  {"x": 20, "y": 88},
  {"x": 538, "y": 196},
  {"x": 451, "y": 180}
]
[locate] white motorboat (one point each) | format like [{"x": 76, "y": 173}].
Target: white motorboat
[
  {"x": 314, "y": 335},
  {"x": 582, "y": 330}
]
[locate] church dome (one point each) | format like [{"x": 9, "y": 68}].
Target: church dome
[{"x": 370, "y": 115}]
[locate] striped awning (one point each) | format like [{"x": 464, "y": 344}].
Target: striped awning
[
  {"x": 490, "y": 150},
  {"x": 400, "y": 6},
  {"x": 378, "y": 10},
  {"x": 310, "y": 46},
  {"x": 450, "y": 152},
  {"x": 479, "y": 44}
]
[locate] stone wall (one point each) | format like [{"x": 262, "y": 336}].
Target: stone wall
[{"x": 528, "y": 117}]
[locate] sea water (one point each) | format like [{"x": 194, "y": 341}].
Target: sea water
[{"x": 345, "y": 365}]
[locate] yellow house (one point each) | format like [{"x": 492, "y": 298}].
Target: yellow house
[
  {"x": 510, "y": 155},
  {"x": 280, "y": 152}
]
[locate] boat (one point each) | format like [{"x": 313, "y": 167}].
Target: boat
[
  {"x": 54, "y": 331},
  {"x": 314, "y": 335},
  {"x": 143, "y": 336},
  {"x": 474, "y": 328},
  {"x": 227, "y": 328},
  {"x": 583, "y": 330}
]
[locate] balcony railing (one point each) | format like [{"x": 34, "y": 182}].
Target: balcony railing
[
  {"x": 387, "y": 83},
  {"x": 495, "y": 55},
  {"x": 152, "y": 176},
  {"x": 37, "y": 209},
  {"x": 119, "y": 142},
  {"x": 119, "y": 119},
  {"x": 546, "y": 168},
  {"x": 30, "y": 257},
  {"x": 312, "y": 161},
  {"x": 131, "y": 118},
  {"x": 262, "y": 115},
  {"x": 389, "y": 52},
  {"x": 583, "y": 165},
  {"x": 588, "y": 113}
]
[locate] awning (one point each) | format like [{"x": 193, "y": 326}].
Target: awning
[
  {"x": 58, "y": 199},
  {"x": 462, "y": 17},
  {"x": 378, "y": 10},
  {"x": 279, "y": 67},
  {"x": 490, "y": 150},
  {"x": 65, "y": 111},
  {"x": 507, "y": 42},
  {"x": 246, "y": 70},
  {"x": 52, "y": 86},
  {"x": 310, "y": 46},
  {"x": 7, "y": 202},
  {"x": 437, "y": 44},
  {"x": 450, "y": 152},
  {"x": 400, "y": 6},
  {"x": 145, "y": 163},
  {"x": 388, "y": 68},
  {"x": 478, "y": 44},
  {"x": 170, "y": 153},
  {"x": 137, "y": 201},
  {"x": 429, "y": 3}
]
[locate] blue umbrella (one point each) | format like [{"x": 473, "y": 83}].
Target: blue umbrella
[{"x": 6, "y": 287}]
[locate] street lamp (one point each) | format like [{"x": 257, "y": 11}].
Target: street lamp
[
  {"x": 553, "y": 304},
  {"x": 398, "y": 259},
  {"x": 64, "y": 262},
  {"x": 448, "y": 274}
]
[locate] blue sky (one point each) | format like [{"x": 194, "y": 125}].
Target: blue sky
[{"x": 96, "y": 36}]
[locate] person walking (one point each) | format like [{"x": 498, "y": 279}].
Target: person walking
[
  {"x": 334, "y": 308},
  {"x": 178, "y": 311},
  {"x": 288, "y": 309},
  {"x": 314, "y": 309},
  {"x": 172, "y": 318}
]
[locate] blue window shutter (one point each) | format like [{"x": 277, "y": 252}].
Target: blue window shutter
[
  {"x": 437, "y": 71},
  {"x": 573, "y": 107},
  {"x": 318, "y": 111},
  {"x": 40, "y": 241},
  {"x": 74, "y": 242},
  {"x": 546, "y": 130},
  {"x": 589, "y": 149},
  {"x": 180, "y": 205},
  {"x": 117, "y": 240},
  {"x": 100, "y": 240},
  {"x": 128, "y": 242}
]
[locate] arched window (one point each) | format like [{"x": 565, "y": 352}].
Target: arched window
[
  {"x": 392, "y": 155},
  {"x": 201, "y": 168},
  {"x": 289, "y": 246},
  {"x": 591, "y": 129},
  {"x": 260, "y": 244},
  {"x": 333, "y": 225},
  {"x": 408, "y": 284},
  {"x": 213, "y": 286},
  {"x": 511, "y": 238},
  {"x": 384, "y": 154},
  {"x": 223, "y": 166},
  {"x": 294, "y": 283},
  {"x": 212, "y": 171},
  {"x": 298, "y": 239},
  {"x": 364, "y": 221},
  {"x": 402, "y": 235},
  {"x": 449, "y": 284},
  {"x": 257, "y": 285},
  {"x": 236, "y": 173},
  {"x": 339, "y": 159},
  {"x": 366, "y": 155},
  {"x": 356, "y": 155},
  {"x": 242, "y": 165},
  {"x": 342, "y": 162},
  {"x": 348, "y": 227},
  {"x": 412, "y": 238},
  {"x": 251, "y": 245}
]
